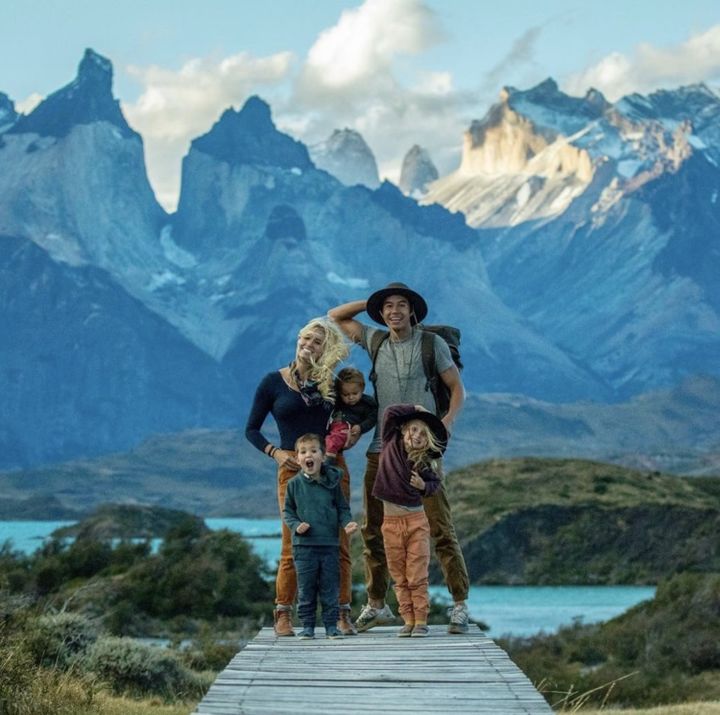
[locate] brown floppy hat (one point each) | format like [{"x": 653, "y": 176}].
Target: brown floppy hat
[
  {"x": 432, "y": 421},
  {"x": 376, "y": 300}
]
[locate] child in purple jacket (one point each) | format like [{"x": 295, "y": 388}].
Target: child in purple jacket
[{"x": 412, "y": 440}]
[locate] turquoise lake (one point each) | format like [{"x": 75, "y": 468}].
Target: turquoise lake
[{"x": 507, "y": 610}]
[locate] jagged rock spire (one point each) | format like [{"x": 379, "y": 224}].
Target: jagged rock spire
[
  {"x": 250, "y": 137},
  {"x": 87, "y": 99},
  {"x": 417, "y": 171}
]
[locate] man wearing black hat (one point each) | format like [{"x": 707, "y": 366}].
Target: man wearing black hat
[{"x": 400, "y": 379}]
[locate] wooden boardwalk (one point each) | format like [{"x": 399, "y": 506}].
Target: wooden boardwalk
[{"x": 373, "y": 672}]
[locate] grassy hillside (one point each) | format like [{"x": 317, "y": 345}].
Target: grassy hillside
[
  {"x": 543, "y": 521},
  {"x": 211, "y": 473},
  {"x": 666, "y": 650}
]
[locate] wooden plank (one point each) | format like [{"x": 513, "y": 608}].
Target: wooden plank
[{"x": 374, "y": 672}]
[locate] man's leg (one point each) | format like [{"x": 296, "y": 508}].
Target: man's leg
[
  {"x": 376, "y": 612},
  {"x": 450, "y": 556},
  {"x": 376, "y": 574}
]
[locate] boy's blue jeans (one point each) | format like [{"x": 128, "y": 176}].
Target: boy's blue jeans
[{"x": 318, "y": 578}]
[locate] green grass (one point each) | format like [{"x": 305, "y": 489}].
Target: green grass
[{"x": 482, "y": 494}]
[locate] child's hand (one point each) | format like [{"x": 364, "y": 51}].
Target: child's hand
[
  {"x": 351, "y": 528},
  {"x": 417, "y": 481},
  {"x": 354, "y": 434},
  {"x": 302, "y": 528}
]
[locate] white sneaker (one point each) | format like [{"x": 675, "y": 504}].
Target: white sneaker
[
  {"x": 370, "y": 617},
  {"x": 459, "y": 618}
]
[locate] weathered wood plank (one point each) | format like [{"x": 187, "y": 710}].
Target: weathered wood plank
[{"x": 374, "y": 672}]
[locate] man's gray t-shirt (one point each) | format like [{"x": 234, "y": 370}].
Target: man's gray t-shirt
[{"x": 400, "y": 374}]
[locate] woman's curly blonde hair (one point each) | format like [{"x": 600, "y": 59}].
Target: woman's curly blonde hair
[{"x": 335, "y": 350}]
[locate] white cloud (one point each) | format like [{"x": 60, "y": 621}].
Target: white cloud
[
  {"x": 350, "y": 79},
  {"x": 177, "y": 106},
  {"x": 358, "y": 52},
  {"x": 650, "y": 68}
]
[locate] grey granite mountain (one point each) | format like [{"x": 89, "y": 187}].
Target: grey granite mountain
[
  {"x": 601, "y": 223},
  {"x": 417, "y": 172},
  {"x": 8, "y": 115},
  {"x": 346, "y": 155},
  {"x": 293, "y": 240},
  {"x": 591, "y": 275}
]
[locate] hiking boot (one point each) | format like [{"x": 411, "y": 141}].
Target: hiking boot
[
  {"x": 420, "y": 631},
  {"x": 333, "y": 632},
  {"x": 370, "y": 617},
  {"x": 283, "y": 621},
  {"x": 459, "y": 618},
  {"x": 307, "y": 633},
  {"x": 344, "y": 624},
  {"x": 406, "y": 630}
]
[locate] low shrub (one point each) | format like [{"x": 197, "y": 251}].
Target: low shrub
[
  {"x": 132, "y": 668},
  {"x": 58, "y": 639}
]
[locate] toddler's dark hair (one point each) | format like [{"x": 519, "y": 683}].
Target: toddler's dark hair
[{"x": 349, "y": 374}]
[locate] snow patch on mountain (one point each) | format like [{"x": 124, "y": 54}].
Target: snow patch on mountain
[
  {"x": 179, "y": 256},
  {"x": 349, "y": 282}
]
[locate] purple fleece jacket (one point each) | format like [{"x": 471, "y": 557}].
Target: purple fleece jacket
[{"x": 392, "y": 482}]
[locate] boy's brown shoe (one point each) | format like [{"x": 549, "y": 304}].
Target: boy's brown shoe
[
  {"x": 283, "y": 622},
  {"x": 344, "y": 624}
]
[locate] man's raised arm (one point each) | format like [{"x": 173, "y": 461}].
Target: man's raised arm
[{"x": 344, "y": 316}]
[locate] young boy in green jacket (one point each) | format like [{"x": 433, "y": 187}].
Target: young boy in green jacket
[{"x": 315, "y": 510}]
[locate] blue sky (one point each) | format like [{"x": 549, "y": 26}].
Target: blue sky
[{"x": 399, "y": 71}]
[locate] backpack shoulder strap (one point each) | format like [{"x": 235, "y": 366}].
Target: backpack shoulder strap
[
  {"x": 379, "y": 336},
  {"x": 427, "y": 348}
]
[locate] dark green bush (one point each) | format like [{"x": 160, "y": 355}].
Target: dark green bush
[{"x": 199, "y": 575}]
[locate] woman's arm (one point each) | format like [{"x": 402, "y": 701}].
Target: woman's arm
[{"x": 261, "y": 407}]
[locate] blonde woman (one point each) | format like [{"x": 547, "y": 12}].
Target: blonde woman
[{"x": 300, "y": 398}]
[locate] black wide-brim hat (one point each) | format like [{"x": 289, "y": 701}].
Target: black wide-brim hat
[
  {"x": 433, "y": 422},
  {"x": 376, "y": 300}
]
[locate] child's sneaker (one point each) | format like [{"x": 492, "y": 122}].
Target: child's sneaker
[
  {"x": 370, "y": 617},
  {"x": 406, "y": 631},
  {"x": 333, "y": 632},
  {"x": 459, "y": 618},
  {"x": 420, "y": 631},
  {"x": 307, "y": 634}
]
